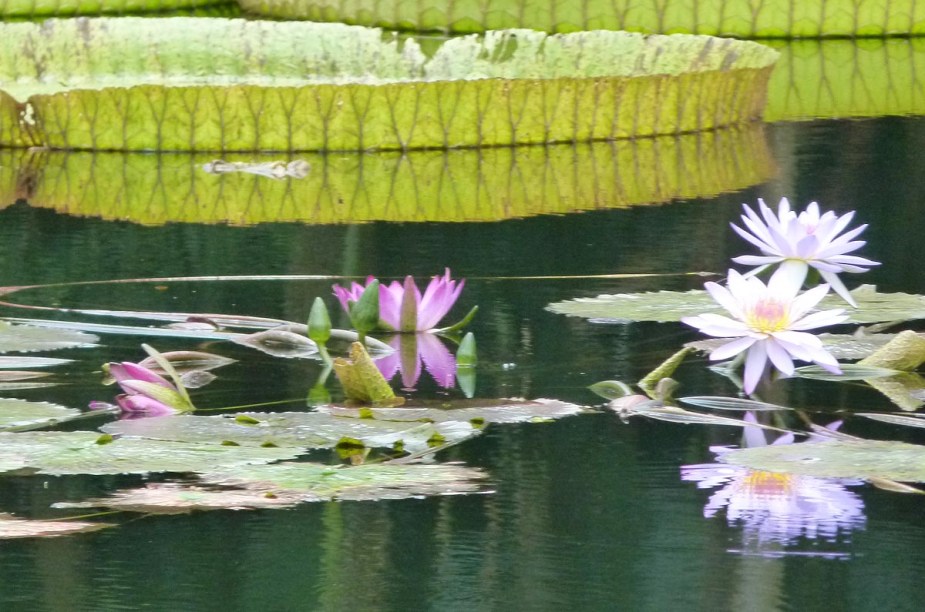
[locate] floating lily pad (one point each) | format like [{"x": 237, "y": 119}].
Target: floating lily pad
[
  {"x": 82, "y": 452},
  {"x": 29, "y": 339},
  {"x": 730, "y": 403},
  {"x": 837, "y": 459},
  {"x": 21, "y": 414},
  {"x": 873, "y": 306},
  {"x": 906, "y": 420},
  {"x": 739, "y": 18},
  {"x": 151, "y": 84},
  {"x": 473, "y": 411},
  {"x": 31, "y": 362},
  {"x": 844, "y": 347},
  {"x": 294, "y": 430},
  {"x": 286, "y": 484},
  {"x": 13, "y": 527}
]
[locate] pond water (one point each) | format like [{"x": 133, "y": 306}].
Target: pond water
[{"x": 587, "y": 512}]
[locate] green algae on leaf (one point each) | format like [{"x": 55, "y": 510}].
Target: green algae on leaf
[
  {"x": 29, "y": 338},
  {"x": 664, "y": 306},
  {"x": 738, "y": 18},
  {"x": 836, "y": 459},
  {"x": 147, "y": 84},
  {"x": 64, "y": 453},
  {"x": 14, "y": 527},
  {"x": 418, "y": 186}
]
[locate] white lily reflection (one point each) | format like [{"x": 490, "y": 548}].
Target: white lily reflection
[{"x": 775, "y": 507}]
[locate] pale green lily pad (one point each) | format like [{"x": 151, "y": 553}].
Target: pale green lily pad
[
  {"x": 293, "y": 430},
  {"x": 13, "y": 527},
  {"x": 419, "y": 186},
  {"x": 737, "y": 18},
  {"x": 836, "y": 459},
  {"x": 29, "y": 339},
  {"x": 664, "y": 306},
  {"x": 904, "y": 352},
  {"x": 844, "y": 347},
  {"x": 151, "y": 84},
  {"x": 286, "y": 484},
  {"x": 61, "y": 453},
  {"x": 21, "y": 414},
  {"x": 479, "y": 412},
  {"x": 31, "y": 362}
]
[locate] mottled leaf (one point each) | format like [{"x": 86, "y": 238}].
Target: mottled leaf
[{"x": 904, "y": 352}]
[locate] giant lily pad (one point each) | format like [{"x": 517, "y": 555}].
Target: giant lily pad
[
  {"x": 873, "y": 306},
  {"x": 83, "y": 452},
  {"x": 419, "y": 186},
  {"x": 837, "y": 459},
  {"x": 300, "y": 430},
  {"x": 286, "y": 484},
  {"x": 13, "y": 527},
  {"x": 146, "y": 84},
  {"x": 27, "y": 339},
  {"x": 739, "y": 18},
  {"x": 59, "y": 8}
]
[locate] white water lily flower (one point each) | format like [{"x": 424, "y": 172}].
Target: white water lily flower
[
  {"x": 802, "y": 241},
  {"x": 770, "y": 323}
]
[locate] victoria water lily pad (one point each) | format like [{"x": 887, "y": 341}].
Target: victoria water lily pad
[
  {"x": 84, "y": 452},
  {"x": 293, "y": 430},
  {"x": 873, "y": 306},
  {"x": 837, "y": 459},
  {"x": 21, "y": 414},
  {"x": 286, "y": 484},
  {"x": 419, "y": 186},
  {"x": 13, "y": 527},
  {"x": 28, "y": 338},
  {"x": 739, "y": 18},
  {"x": 59, "y": 8},
  {"x": 147, "y": 84}
]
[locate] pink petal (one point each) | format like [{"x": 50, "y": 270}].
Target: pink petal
[
  {"x": 439, "y": 297},
  {"x": 127, "y": 370},
  {"x": 438, "y": 360},
  {"x": 142, "y": 403},
  {"x": 390, "y": 299}
]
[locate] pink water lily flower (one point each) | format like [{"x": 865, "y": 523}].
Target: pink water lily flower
[
  {"x": 147, "y": 392},
  {"x": 770, "y": 322},
  {"x": 411, "y": 351},
  {"x": 402, "y": 307},
  {"x": 802, "y": 241}
]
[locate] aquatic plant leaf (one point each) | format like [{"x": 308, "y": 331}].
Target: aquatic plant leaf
[
  {"x": 611, "y": 389},
  {"x": 844, "y": 347},
  {"x": 478, "y": 412},
  {"x": 288, "y": 484},
  {"x": 60, "y": 8},
  {"x": 279, "y": 343},
  {"x": 904, "y": 352},
  {"x": 873, "y": 306},
  {"x": 299, "y": 430},
  {"x": 656, "y": 410},
  {"x": 21, "y": 414},
  {"x": 729, "y": 403},
  {"x": 736, "y": 18},
  {"x": 836, "y": 459},
  {"x": 176, "y": 83},
  {"x": 15, "y": 375},
  {"x": 910, "y": 420},
  {"x": 849, "y": 372},
  {"x": 29, "y": 339},
  {"x": 188, "y": 361},
  {"x": 79, "y": 452},
  {"x": 664, "y": 370},
  {"x": 361, "y": 379},
  {"x": 31, "y": 362},
  {"x": 419, "y": 186},
  {"x": 906, "y": 390},
  {"x": 14, "y": 527}
]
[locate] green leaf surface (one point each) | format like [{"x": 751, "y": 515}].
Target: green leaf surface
[
  {"x": 361, "y": 379},
  {"x": 14, "y": 527},
  {"x": 478, "y": 411},
  {"x": 147, "y": 84},
  {"x": 906, "y": 420},
  {"x": 419, "y": 186},
  {"x": 287, "y": 484},
  {"x": 904, "y": 352},
  {"x": 29, "y": 339},
  {"x": 60, "y": 8},
  {"x": 873, "y": 306},
  {"x": 738, "y": 18},
  {"x": 22, "y": 414},
  {"x": 62, "y": 453},
  {"x": 836, "y": 459},
  {"x": 292, "y": 430}
]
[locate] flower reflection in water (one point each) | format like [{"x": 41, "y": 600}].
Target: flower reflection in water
[
  {"x": 777, "y": 509},
  {"x": 413, "y": 350}
]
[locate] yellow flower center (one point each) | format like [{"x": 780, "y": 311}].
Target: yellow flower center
[
  {"x": 767, "y": 484},
  {"x": 767, "y": 315}
]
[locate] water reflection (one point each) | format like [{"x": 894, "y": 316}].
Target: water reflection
[
  {"x": 413, "y": 350},
  {"x": 775, "y": 509}
]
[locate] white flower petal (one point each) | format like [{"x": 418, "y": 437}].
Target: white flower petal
[
  {"x": 838, "y": 286},
  {"x": 754, "y": 366},
  {"x": 731, "y": 349},
  {"x": 779, "y": 357},
  {"x": 807, "y": 301},
  {"x": 822, "y": 318}
]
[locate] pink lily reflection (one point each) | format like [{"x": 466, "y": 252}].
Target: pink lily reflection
[
  {"x": 411, "y": 351},
  {"x": 777, "y": 508}
]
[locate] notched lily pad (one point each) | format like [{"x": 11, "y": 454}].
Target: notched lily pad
[
  {"x": 21, "y": 414},
  {"x": 286, "y": 484},
  {"x": 83, "y": 452},
  {"x": 13, "y": 527},
  {"x": 30, "y": 339},
  {"x": 865, "y": 459},
  {"x": 293, "y": 430},
  {"x": 665, "y": 306}
]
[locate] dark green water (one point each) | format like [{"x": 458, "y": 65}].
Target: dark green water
[{"x": 585, "y": 513}]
